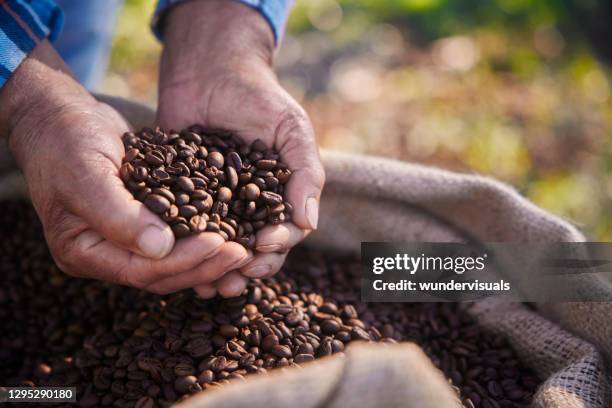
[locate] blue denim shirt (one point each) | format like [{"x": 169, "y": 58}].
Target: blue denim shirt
[{"x": 86, "y": 38}]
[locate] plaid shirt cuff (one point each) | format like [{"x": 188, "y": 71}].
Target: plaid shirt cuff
[
  {"x": 274, "y": 11},
  {"x": 23, "y": 24}
]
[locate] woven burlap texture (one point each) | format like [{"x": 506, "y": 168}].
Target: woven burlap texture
[
  {"x": 382, "y": 376},
  {"x": 374, "y": 199},
  {"x": 568, "y": 345}
]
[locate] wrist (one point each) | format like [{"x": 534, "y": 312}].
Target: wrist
[
  {"x": 36, "y": 92},
  {"x": 41, "y": 81},
  {"x": 208, "y": 36}
]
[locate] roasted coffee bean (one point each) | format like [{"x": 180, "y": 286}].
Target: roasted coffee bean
[
  {"x": 271, "y": 198},
  {"x": 218, "y": 364},
  {"x": 265, "y": 164},
  {"x": 203, "y": 169},
  {"x": 259, "y": 182},
  {"x": 142, "y": 194},
  {"x": 283, "y": 309},
  {"x": 188, "y": 211},
  {"x": 182, "y": 199},
  {"x": 231, "y": 178},
  {"x": 145, "y": 402},
  {"x": 228, "y": 230},
  {"x": 325, "y": 349},
  {"x": 251, "y": 192},
  {"x": 164, "y": 192},
  {"x": 140, "y": 173},
  {"x": 183, "y": 369},
  {"x": 181, "y": 230},
  {"x": 131, "y": 154},
  {"x": 282, "y": 351},
  {"x": 303, "y": 358},
  {"x": 183, "y": 384},
  {"x": 154, "y": 158},
  {"x": 185, "y": 184},
  {"x": 329, "y": 308},
  {"x": 269, "y": 342},
  {"x": 330, "y": 326},
  {"x": 359, "y": 334},
  {"x": 206, "y": 376},
  {"x": 294, "y": 318},
  {"x": 160, "y": 176},
  {"x": 244, "y": 178},
  {"x": 193, "y": 137},
  {"x": 224, "y": 195},
  {"x": 125, "y": 347},
  {"x": 228, "y": 331},
  {"x": 305, "y": 348},
  {"x": 215, "y": 159},
  {"x": 157, "y": 203},
  {"x": 212, "y": 226},
  {"x": 283, "y": 176},
  {"x": 200, "y": 194},
  {"x": 234, "y": 160},
  {"x": 198, "y": 223},
  {"x": 200, "y": 182}
]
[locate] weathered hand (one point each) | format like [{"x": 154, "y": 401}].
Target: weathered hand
[
  {"x": 69, "y": 148},
  {"x": 216, "y": 71}
]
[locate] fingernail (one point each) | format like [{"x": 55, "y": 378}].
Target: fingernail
[
  {"x": 269, "y": 248},
  {"x": 155, "y": 242},
  {"x": 312, "y": 212},
  {"x": 257, "y": 271}
]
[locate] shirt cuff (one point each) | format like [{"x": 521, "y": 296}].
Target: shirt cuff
[
  {"x": 274, "y": 11},
  {"x": 24, "y": 24}
]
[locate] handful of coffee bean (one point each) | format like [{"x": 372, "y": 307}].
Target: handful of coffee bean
[{"x": 206, "y": 180}]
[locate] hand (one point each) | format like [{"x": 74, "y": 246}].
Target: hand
[
  {"x": 69, "y": 148},
  {"x": 216, "y": 71}
]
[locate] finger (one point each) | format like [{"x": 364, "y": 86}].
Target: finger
[
  {"x": 279, "y": 238},
  {"x": 232, "y": 284},
  {"x": 81, "y": 251},
  {"x": 206, "y": 291},
  {"x": 298, "y": 148},
  {"x": 98, "y": 196},
  {"x": 264, "y": 265},
  {"x": 231, "y": 256}
]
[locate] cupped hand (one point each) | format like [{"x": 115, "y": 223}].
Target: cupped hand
[
  {"x": 69, "y": 148},
  {"x": 217, "y": 71}
]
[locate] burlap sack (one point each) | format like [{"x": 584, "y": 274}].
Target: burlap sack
[
  {"x": 568, "y": 345},
  {"x": 379, "y": 376}
]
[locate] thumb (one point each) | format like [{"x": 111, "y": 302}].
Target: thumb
[
  {"x": 298, "y": 148},
  {"x": 108, "y": 208}
]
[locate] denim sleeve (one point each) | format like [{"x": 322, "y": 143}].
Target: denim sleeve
[
  {"x": 23, "y": 24},
  {"x": 274, "y": 11}
]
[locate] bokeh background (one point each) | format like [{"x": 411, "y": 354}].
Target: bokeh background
[{"x": 515, "y": 89}]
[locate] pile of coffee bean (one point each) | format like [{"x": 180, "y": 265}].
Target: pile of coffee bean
[
  {"x": 123, "y": 347},
  {"x": 206, "y": 180}
]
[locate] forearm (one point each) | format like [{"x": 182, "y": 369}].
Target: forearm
[
  {"x": 214, "y": 34},
  {"x": 25, "y": 26},
  {"x": 41, "y": 87}
]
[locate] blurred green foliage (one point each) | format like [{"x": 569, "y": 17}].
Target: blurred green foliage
[
  {"x": 435, "y": 18},
  {"x": 507, "y": 88},
  {"x": 134, "y": 44}
]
